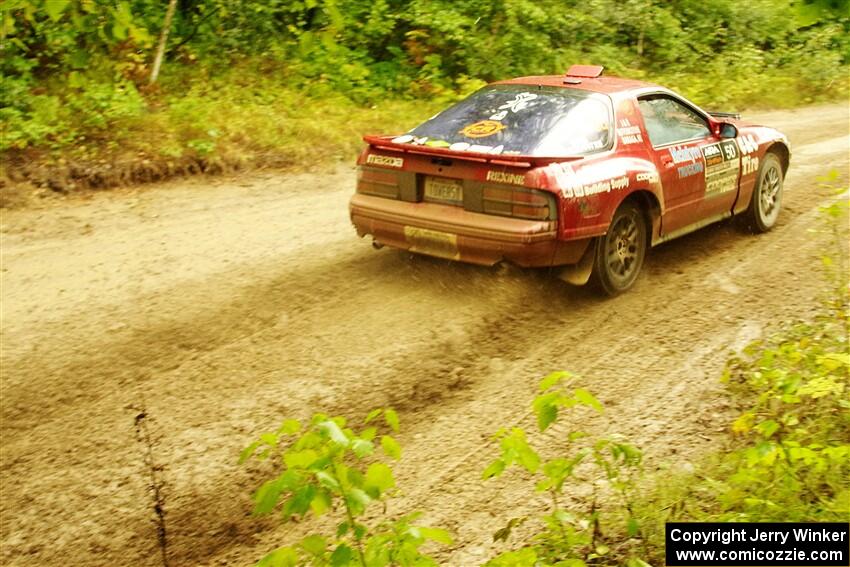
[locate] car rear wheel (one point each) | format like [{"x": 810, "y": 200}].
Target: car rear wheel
[
  {"x": 620, "y": 252},
  {"x": 767, "y": 195}
]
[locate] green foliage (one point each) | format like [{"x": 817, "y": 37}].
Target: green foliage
[
  {"x": 327, "y": 467},
  {"x": 789, "y": 455},
  {"x": 794, "y": 463},
  {"x": 75, "y": 72},
  {"x": 569, "y": 536}
]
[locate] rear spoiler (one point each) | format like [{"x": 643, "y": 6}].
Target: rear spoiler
[
  {"x": 732, "y": 115},
  {"x": 386, "y": 143}
]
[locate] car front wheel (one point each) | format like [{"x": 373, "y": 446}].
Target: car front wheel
[
  {"x": 620, "y": 252},
  {"x": 767, "y": 195}
]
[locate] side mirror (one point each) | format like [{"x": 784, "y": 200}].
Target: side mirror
[{"x": 728, "y": 130}]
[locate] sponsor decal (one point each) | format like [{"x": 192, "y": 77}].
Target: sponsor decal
[
  {"x": 690, "y": 169},
  {"x": 437, "y": 144},
  {"x": 386, "y": 161},
  {"x": 749, "y": 164},
  {"x": 721, "y": 167},
  {"x": 504, "y": 177},
  {"x": 684, "y": 154},
  {"x": 747, "y": 143},
  {"x": 620, "y": 183},
  {"x": 520, "y": 102},
  {"x": 649, "y": 177},
  {"x": 589, "y": 180},
  {"x": 629, "y": 134},
  {"x": 482, "y": 129}
]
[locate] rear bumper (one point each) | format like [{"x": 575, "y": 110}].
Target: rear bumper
[{"x": 451, "y": 232}]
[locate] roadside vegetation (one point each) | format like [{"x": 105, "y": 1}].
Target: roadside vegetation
[
  {"x": 295, "y": 84},
  {"x": 786, "y": 457}
]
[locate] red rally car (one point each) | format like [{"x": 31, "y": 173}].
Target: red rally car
[{"x": 581, "y": 171}]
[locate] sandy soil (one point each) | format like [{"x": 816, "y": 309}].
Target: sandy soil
[{"x": 148, "y": 334}]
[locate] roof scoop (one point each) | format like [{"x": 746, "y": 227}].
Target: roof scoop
[{"x": 585, "y": 71}]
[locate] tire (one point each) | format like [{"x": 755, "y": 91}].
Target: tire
[
  {"x": 619, "y": 254},
  {"x": 767, "y": 195}
]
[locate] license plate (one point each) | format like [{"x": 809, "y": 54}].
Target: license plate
[
  {"x": 432, "y": 242},
  {"x": 443, "y": 190}
]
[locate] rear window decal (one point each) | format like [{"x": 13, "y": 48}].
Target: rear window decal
[{"x": 482, "y": 129}]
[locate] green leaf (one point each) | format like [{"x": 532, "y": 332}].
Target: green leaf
[
  {"x": 362, "y": 448},
  {"x": 552, "y": 379},
  {"x": 248, "y": 451},
  {"x": 358, "y": 500},
  {"x": 546, "y": 415},
  {"x": 496, "y": 468},
  {"x": 586, "y": 398},
  {"x": 327, "y": 480},
  {"x": 525, "y": 557},
  {"x": 290, "y": 427},
  {"x": 280, "y": 557},
  {"x": 314, "y": 545},
  {"x": 300, "y": 459},
  {"x": 55, "y": 8},
  {"x": 436, "y": 534},
  {"x": 372, "y": 415},
  {"x": 391, "y": 447},
  {"x": 380, "y": 477},
  {"x": 571, "y": 563},
  {"x": 267, "y": 496},
  {"x": 341, "y": 556},
  {"x": 300, "y": 501},
  {"x": 334, "y": 432},
  {"x": 391, "y": 418},
  {"x": 269, "y": 439},
  {"x": 767, "y": 428},
  {"x": 321, "y": 502},
  {"x": 632, "y": 527}
]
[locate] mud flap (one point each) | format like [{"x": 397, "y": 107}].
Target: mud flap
[{"x": 579, "y": 273}]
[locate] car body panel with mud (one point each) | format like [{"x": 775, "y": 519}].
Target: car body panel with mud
[{"x": 581, "y": 172}]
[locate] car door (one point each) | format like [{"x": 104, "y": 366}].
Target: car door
[{"x": 677, "y": 134}]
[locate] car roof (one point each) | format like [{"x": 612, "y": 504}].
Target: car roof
[{"x": 607, "y": 85}]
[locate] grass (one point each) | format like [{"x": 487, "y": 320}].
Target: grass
[{"x": 84, "y": 132}]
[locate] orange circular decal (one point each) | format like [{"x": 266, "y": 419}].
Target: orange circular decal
[{"x": 482, "y": 129}]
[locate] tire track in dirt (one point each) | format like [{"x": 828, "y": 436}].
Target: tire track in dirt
[{"x": 224, "y": 349}]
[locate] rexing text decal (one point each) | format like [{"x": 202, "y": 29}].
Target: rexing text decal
[
  {"x": 722, "y": 164},
  {"x": 503, "y": 177}
]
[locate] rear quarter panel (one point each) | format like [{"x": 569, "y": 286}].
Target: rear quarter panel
[{"x": 591, "y": 190}]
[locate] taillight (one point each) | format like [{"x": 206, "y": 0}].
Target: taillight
[
  {"x": 517, "y": 202},
  {"x": 380, "y": 183}
]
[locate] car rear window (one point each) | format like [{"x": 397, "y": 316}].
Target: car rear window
[{"x": 521, "y": 119}]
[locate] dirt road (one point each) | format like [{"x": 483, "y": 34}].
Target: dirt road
[{"x": 149, "y": 334}]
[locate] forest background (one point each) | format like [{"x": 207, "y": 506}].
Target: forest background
[{"x": 248, "y": 83}]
